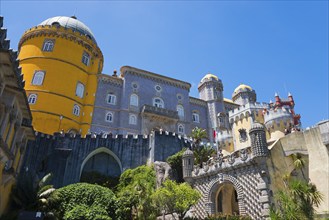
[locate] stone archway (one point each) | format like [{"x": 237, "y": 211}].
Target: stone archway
[
  {"x": 225, "y": 195},
  {"x": 227, "y": 200},
  {"x": 103, "y": 161}
]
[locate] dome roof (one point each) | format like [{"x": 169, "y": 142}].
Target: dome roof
[
  {"x": 209, "y": 76},
  {"x": 257, "y": 125},
  {"x": 242, "y": 87},
  {"x": 71, "y": 23},
  {"x": 188, "y": 152}
]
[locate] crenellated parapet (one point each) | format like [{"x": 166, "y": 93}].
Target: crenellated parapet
[
  {"x": 220, "y": 164},
  {"x": 247, "y": 110},
  {"x": 279, "y": 118}
]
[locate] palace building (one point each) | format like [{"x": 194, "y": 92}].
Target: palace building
[{"x": 86, "y": 120}]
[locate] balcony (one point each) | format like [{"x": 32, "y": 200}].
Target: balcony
[{"x": 161, "y": 112}]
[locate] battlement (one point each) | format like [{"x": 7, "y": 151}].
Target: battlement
[
  {"x": 246, "y": 110},
  {"x": 100, "y": 136},
  {"x": 220, "y": 164},
  {"x": 277, "y": 115}
]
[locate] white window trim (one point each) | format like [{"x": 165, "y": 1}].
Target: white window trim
[
  {"x": 113, "y": 99},
  {"x": 162, "y": 102},
  {"x": 111, "y": 119},
  {"x": 85, "y": 58},
  {"x": 197, "y": 117},
  {"x": 48, "y": 45},
  {"x": 181, "y": 126},
  {"x": 136, "y": 100},
  {"x": 76, "y": 110},
  {"x": 38, "y": 77},
  {"x": 33, "y": 97},
  {"x": 131, "y": 122},
  {"x": 180, "y": 109},
  {"x": 78, "y": 89}
]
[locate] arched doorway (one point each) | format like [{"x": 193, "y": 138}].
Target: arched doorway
[
  {"x": 227, "y": 200},
  {"x": 100, "y": 166}
]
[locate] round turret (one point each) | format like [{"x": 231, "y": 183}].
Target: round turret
[
  {"x": 244, "y": 94},
  {"x": 60, "y": 60},
  {"x": 188, "y": 164},
  {"x": 258, "y": 140}
]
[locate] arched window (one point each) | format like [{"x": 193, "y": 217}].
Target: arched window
[
  {"x": 109, "y": 117},
  {"x": 32, "y": 99},
  {"x": 38, "y": 78},
  {"x": 134, "y": 100},
  {"x": 48, "y": 45},
  {"x": 80, "y": 90},
  {"x": 158, "y": 102},
  {"x": 195, "y": 117},
  {"x": 181, "y": 129},
  {"x": 111, "y": 98},
  {"x": 132, "y": 119},
  {"x": 76, "y": 110},
  {"x": 180, "y": 110},
  {"x": 85, "y": 58}
]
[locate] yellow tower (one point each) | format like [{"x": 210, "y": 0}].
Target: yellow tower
[{"x": 60, "y": 61}]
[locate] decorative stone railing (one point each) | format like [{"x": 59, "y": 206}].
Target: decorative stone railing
[
  {"x": 160, "y": 111},
  {"x": 239, "y": 158}
]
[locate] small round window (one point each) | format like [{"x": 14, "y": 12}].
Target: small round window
[
  {"x": 158, "y": 88},
  {"x": 179, "y": 97},
  {"x": 134, "y": 85}
]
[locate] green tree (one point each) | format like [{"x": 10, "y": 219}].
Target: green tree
[
  {"x": 201, "y": 152},
  {"x": 299, "y": 162},
  {"x": 175, "y": 161},
  {"x": 175, "y": 198},
  {"x": 69, "y": 200},
  {"x": 297, "y": 201},
  {"x": 84, "y": 212},
  {"x": 134, "y": 191},
  {"x": 27, "y": 190},
  {"x": 197, "y": 135}
]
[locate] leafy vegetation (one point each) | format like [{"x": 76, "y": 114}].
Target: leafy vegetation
[
  {"x": 296, "y": 201},
  {"x": 134, "y": 192},
  {"x": 175, "y": 198},
  {"x": 84, "y": 200},
  {"x": 202, "y": 153},
  {"x": 95, "y": 177},
  {"x": 175, "y": 162}
]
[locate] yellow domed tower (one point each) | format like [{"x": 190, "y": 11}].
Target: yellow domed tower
[{"x": 60, "y": 61}]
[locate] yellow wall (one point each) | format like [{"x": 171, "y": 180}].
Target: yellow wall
[{"x": 63, "y": 70}]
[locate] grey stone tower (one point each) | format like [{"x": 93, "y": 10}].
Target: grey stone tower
[
  {"x": 244, "y": 94},
  {"x": 258, "y": 140},
  {"x": 188, "y": 164},
  {"x": 211, "y": 90}
]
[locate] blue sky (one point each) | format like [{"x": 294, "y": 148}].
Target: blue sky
[{"x": 273, "y": 46}]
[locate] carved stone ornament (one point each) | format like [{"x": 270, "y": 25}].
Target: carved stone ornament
[
  {"x": 243, "y": 154},
  {"x": 231, "y": 159}
]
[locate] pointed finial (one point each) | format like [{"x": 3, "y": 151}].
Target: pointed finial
[
  {"x": 289, "y": 94},
  {"x": 271, "y": 102},
  {"x": 276, "y": 94}
]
